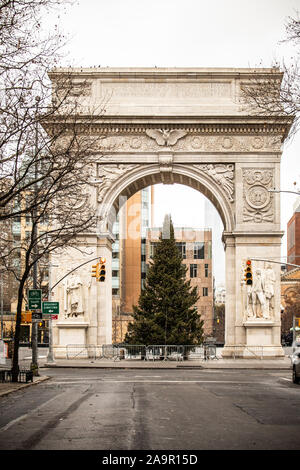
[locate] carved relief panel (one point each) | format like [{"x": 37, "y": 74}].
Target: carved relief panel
[
  {"x": 187, "y": 140},
  {"x": 258, "y": 206},
  {"x": 222, "y": 174}
]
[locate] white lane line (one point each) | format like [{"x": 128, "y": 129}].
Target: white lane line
[
  {"x": 14, "y": 421},
  {"x": 20, "y": 418},
  {"x": 161, "y": 381}
]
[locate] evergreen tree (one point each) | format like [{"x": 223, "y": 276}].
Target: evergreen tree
[{"x": 166, "y": 312}]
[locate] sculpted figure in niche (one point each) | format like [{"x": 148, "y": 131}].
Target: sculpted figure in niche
[
  {"x": 74, "y": 296},
  {"x": 269, "y": 290},
  {"x": 260, "y": 295}
]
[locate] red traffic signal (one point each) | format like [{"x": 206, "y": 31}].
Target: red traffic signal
[{"x": 248, "y": 273}]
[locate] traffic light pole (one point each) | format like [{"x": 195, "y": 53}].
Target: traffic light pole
[
  {"x": 79, "y": 266},
  {"x": 50, "y": 358},
  {"x": 277, "y": 262}
]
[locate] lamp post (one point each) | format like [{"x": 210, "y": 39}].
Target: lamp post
[
  {"x": 50, "y": 358},
  {"x": 34, "y": 363}
]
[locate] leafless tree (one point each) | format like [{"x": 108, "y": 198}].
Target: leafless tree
[
  {"x": 46, "y": 148},
  {"x": 56, "y": 223},
  {"x": 277, "y": 95}
]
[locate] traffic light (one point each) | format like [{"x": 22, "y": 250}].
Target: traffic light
[
  {"x": 102, "y": 272},
  {"x": 99, "y": 270},
  {"x": 95, "y": 271},
  {"x": 248, "y": 273}
]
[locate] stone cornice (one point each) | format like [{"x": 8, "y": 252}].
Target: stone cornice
[
  {"x": 186, "y": 74},
  {"x": 286, "y": 276},
  {"x": 199, "y": 126}
]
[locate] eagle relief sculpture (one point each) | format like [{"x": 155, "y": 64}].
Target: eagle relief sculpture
[{"x": 165, "y": 137}]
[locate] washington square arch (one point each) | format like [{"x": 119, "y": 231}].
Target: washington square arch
[{"x": 187, "y": 126}]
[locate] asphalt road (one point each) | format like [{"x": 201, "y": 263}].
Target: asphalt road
[{"x": 85, "y": 409}]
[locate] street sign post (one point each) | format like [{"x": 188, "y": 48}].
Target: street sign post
[
  {"x": 50, "y": 308},
  {"x": 34, "y": 299}
]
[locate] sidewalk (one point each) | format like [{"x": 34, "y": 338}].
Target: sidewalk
[
  {"x": 242, "y": 364},
  {"x": 8, "y": 387},
  {"x": 267, "y": 364}
]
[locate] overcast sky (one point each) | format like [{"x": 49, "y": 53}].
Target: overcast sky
[{"x": 185, "y": 33}]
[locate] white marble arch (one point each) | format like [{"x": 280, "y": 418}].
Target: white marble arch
[{"x": 186, "y": 126}]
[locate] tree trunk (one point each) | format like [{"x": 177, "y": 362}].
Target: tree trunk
[{"x": 15, "y": 361}]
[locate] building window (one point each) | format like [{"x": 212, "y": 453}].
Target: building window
[
  {"x": 115, "y": 254},
  {"x": 198, "y": 250},
  {"x": 205, "y": 291},
  {"x": 182, "y": 249},
  {"x": 152, "y": 249},
  {"x": 115, "y": 274},
  {"x": 115, "y": 291},
  {"x": 206, "y": 270},
  {"x": 193, "y": 270}
]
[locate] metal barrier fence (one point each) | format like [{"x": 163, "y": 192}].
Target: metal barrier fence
[
  {"x": 245, "y": 352},
  {"x": 83, "y": 351},
  {"x": 121, "y": 352},
  {"x": 153, "y": 353}
]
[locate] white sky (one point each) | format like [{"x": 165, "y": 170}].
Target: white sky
[{"x": 185, "y": 33}]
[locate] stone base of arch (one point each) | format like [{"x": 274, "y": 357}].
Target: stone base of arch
[{"x": 248, "y": 336}]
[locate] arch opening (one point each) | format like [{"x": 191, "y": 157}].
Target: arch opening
[{"x": 137, "y": 179}]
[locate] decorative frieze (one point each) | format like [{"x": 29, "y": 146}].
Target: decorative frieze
[
  {"x": 182, "y": 141},
  {"x": 258, "y": 201}
]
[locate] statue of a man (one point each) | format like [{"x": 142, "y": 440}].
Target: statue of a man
[
  {"x": 258, "y": 294},
  {"x": 74, "y": 296},
  {"x": 269, "y": 289}
]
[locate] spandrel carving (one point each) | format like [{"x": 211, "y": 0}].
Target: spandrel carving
[
  {"x": 107, "y": 175},
  {"x": 223, "y": 174}
]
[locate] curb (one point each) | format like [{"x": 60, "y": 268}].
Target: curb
[
  {"x": 195, "y": 367},
  {"x": 17, "y": 386}
]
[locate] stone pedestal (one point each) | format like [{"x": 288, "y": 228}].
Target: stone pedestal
[{"x": 70, "y": 333}]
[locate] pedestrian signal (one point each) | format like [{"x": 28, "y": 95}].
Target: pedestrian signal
[
  {"x": 248, "y": 273},
  {"x": 102, "y": 273}
]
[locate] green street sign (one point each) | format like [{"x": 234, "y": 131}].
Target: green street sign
[
  {"x": 50, "y": 308},
  {"x": 34, "y": 299}
]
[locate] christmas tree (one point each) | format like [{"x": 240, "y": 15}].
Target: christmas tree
[{"x": 166, "y": 311}]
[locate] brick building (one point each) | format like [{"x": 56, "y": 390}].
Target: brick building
[{"x": 293, "y": 237}]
